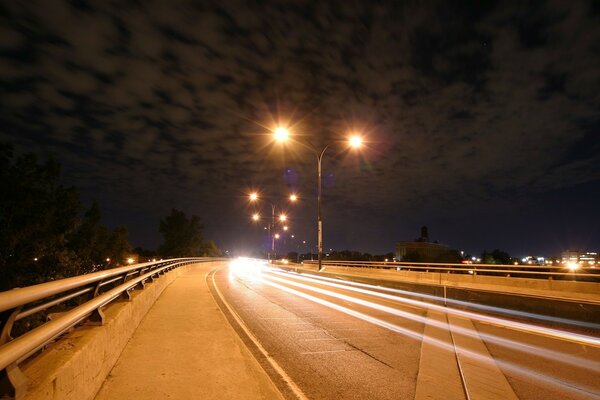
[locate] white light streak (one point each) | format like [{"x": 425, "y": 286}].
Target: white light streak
[{"x": 522, "y": 371}]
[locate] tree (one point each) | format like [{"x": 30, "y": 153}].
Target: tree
[
  {"x": 211, "y": 249},
  {"x": 37, "y": 216},
  {"x": 42, "y": 236},
  {"x": 496, "y": 256},
  {"x": 182, "y": 235},
  {"x": 90, "y": 240},
  {"x": 117, "y": 246}
]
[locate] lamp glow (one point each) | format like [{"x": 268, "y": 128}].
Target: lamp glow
[
  {"x": 281, "y": 134},
  {"x": 355, "y": 141},
  {"x": 253, "y": 196},
  {"x": 283, "y": 217},
  {"x": 293, "y": 197},
  {"x": 256, "y": 217},
  {"x": 573, "y": 266}
]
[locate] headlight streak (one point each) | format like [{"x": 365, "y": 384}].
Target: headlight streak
[
  {"x": 538, "y": 317},
  {"x": 551, "y": 381},
  {"x": 507, "y": 343},
  {"x": 520, "y": 326}
]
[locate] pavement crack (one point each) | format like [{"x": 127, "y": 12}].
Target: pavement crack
[{"x": 368, "y": 354}]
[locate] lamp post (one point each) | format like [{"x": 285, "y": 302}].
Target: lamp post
[
  {"x": 254, "y": 197},
  {"x": 281, "y": 134}
]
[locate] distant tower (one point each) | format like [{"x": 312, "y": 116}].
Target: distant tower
[{"x": 424, "y": 234}]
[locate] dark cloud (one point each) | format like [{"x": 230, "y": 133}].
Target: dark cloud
[{"x": 469, "y": 108}]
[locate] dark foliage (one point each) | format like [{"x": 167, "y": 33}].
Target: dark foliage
[
  {"x": 496, "y": 256},
  {"x": 183, "y": 237},
  {"x": 42, "y": 236}
]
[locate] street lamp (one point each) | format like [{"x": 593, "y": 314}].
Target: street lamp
[
  {"x": 281, "y": 134},
  {"x": 254, "y": 197}
]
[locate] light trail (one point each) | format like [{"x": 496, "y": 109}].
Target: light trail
[
  {"x": 520, "y": 326},
  {"x": 538, "y": 317},
  {"x": 522, "y": 371},
  {"x": 507, "y": 343}
]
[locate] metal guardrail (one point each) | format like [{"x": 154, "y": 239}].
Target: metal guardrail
[
  {"x": 511, "y": 270},
  {"x": 93, "y": 291}
]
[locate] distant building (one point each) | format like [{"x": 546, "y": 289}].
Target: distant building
[
  {"x": 576, "y": 256},
  {"x": 421, "y": 249}
]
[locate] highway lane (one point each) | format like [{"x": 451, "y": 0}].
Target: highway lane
[{"x": 337, "y": 341}]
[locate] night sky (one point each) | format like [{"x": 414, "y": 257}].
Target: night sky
[{"x": 481, "y": 122}]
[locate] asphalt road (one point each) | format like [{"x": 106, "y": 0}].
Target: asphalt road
[{"x": 326, "y": 339}]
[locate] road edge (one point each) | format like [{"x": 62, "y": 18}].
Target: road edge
[{"x": 280, "y": 379}]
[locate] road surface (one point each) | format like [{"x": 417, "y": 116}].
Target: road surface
[{"x": 321, "y": 338}]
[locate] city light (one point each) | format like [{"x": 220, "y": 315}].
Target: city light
[
  {"x": 256, "y": 217},
  {"x": 355, "y": 141},
  {"x": 281, "y": 134},
  {"x": 130, "y": 260},
  {"x": 285, "y": 228},
  {"x": 276, "y": 236},
  {"x": 293, "y": 197},
  {"x": 572, "y": 266},
  {"x": 253, "y": 196},
  {"x": 107, "y": 259},
  {"x": 283, "y": 217}
]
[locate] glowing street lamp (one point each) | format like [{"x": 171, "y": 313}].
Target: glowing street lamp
[
  {"x": 285, "y": 228},
  {"x": 277, "y": 236},
  {"x": 281, "y": 134},
  {"x": 355, "y": 141},
  {"x": 254, "y": 197}
]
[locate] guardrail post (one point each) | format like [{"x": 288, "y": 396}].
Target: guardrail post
[
  {"x": 97, "y": 316},
  {"x": 125, "y": 295},
  {"x": 12, "y": 379},
  {"x": 141, "y": 285},
  {"x": 445, "y": 297},
  {"x": 8, "y": 319}
]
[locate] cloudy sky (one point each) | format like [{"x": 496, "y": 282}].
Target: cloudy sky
[{"x": 481, "y": 122}]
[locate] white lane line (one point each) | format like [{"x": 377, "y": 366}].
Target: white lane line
[
  {"x": 286, "y": 378},
  {"x": 308, "y": 353},
  {"x": 340, "y": 339}
]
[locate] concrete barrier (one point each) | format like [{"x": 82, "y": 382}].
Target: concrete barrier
[
  {"x": 75, "y": 366},
  {"x": 571, "y": 289}
]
